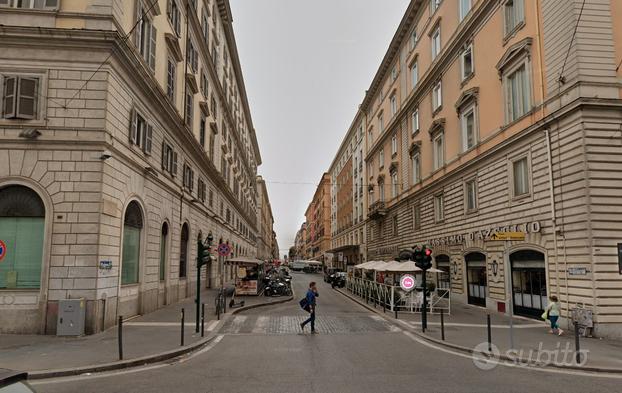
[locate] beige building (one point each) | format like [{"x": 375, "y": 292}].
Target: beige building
[
  {"x": 265, "y": 222},
  {"x": 318, "y": 214},
  {"x": 125, "y": 137},
  {"x": 491, "y": 116}
]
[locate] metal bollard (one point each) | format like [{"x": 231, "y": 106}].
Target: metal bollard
[
  {"x": 120, "y": 338},
  {"x": 577, "y": 344},
  {"x": 489, "y": 333},
  {"x": 442, "y": 324},
  {"x": 183, "y": 312},
  {"x": 202, "y": 319},
  {"x": 395, "y": 308}
]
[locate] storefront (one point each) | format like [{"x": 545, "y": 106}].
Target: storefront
[
  {"x": 476, "y": 278},
  {"x": 528, "y": 283},
  {"x": 444, "y": 279}
]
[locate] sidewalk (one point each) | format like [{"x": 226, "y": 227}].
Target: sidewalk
[
  {"x": 467, "y": 327},
  {"x": 151, "y": 334}
]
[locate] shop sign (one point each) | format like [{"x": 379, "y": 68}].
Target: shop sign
[
  {"x": 507, "y": 236},
  {"x": 484, "y": 234},
  {"x": 577, "y": 271},
  {"x": 105, "y": 265},
  {"x": 385, "y": 250},
  {"x": 407, "y": 282}
]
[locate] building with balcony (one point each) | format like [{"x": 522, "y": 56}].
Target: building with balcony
[
  {"x": 126, "y": 137},
  {"x": 265, "y": 222},
  {"x": 318, "y": 226}
]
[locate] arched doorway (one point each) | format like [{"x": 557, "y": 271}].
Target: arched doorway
[
  {"x": 22, "y": 230},
  {"x": 528, "y": 283},
  {"x": 183, "y": 251},
  {"x": 476, "y": 278},
  {"x": 163, "y": 251},
  {"x": 444, "y": 279},
  {"x": 132, "y": 227}
]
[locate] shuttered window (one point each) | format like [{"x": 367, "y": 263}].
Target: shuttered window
[
  {"x": 20, "y": 97},
  {"x": 145, "y": 36},
  {"x": 141, "y": 132}
]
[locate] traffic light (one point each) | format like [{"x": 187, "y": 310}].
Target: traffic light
[
  {"x": 422, "y": 257},
  {"x": 203, "y": 254}
]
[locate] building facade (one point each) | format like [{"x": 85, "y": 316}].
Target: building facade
[
  {"x": 265, "y": 222},
  {"x": 318, "y": 233},
  {"x": 489, "y": 117},
  {"x": 126, "y": 137}
]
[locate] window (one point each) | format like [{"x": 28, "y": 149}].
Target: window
[
  {"x": 163, "y": 248},
  {"x": 30, "y": 4},
  {"x": 202, "y": 132},
  {"x": 393, "y": 105},
  {"x": 132, "y": 226},
  {"x": 439, "y": 151},
  {"x": 514, "y": 15},
  {"x": 414, "y": 72},
  {"x": 212, "y": 144},
  {"x": 370, "y": 136},
  {"x": 413, "y": 39},
  {"x": 201, "y": 190},
  {"x": 204, "y": 84},
  {"x": 517, "y": 93},
  {"x": 214, "y": 108},
  {"x": 395, "y": 226},
  {"x": 192, "y": 56},
  {"x": 174, "y": 16},
  {"x": 370, "y": 169},
  {"x": 141, "y": 133},
  {"x": 381, "y": 159},
  {"x": 465, "y": 8},
  {"x": 189, "y": 110},
  {"x": 393, "y": 145},
  {"x": 439, "y": 214},
  {"x": 469, "y": 134},
  {"x": 466, "y": 62},
  {"x": 205, "y": 28},
  {"x": 211, "y": 198},
  {"x": 145, "y": 37},
  {"x": 381, "y": 123},
  {"x": 434, "y": 4},
  {"x": 394, "y": 73},
  {"x": 436, "y": 42},
  {"x": 169, "y": 159},
  {"x": 171, "y": 75},
  {"x": 470, "y": 188},
  {"x": 20, "y": 97},
  {"x": 381, "y": 191},
  {"x": 371, "y": 196},
  {"x": 188, "y": 178},
  {"x": 415, "y": 120},
  {"x": 416, "y": 167},
  {"x": 437, "y": 96},
  {"x": 417, "y": 216},
  {"x": 520, "y": 177},
  {"x": 395, "y": 184}
]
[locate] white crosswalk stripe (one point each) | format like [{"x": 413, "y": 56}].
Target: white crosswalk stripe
[{"x": 261, "y": 326}]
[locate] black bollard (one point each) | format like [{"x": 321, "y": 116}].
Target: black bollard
[
  {"x": 202, "y": 319},
  {"x": 442, "y": 324},
  {"x": 489, "y": 333},
  {"x": 183, "y": 312},
  {"x": 577, "y": 344},
  {"x": 120, "y": 338}
]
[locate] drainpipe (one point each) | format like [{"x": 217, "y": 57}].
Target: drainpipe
[{"x": 553, "y": 212}]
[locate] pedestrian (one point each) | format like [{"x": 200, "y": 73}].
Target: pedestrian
[
  {"x": 309, "y": 306},
  {"x": 552, "y": 313}
]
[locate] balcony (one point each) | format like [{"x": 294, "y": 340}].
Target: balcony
[{"x": 377, "y": 210}]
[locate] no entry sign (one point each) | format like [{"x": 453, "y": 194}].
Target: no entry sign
[
  {"x": 224, "y": 250},
  {"x": 2, "y": 250},
  {"x": 407, "y": 282}
]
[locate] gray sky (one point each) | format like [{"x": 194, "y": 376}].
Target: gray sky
[{"x": 306, "y": 67}]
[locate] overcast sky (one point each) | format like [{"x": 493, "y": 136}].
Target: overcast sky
[{"x": 306, "y": 67}]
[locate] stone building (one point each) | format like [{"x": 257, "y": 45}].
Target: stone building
[
  {"x": 318, "y": 213},
  {"x": 265, "y": 222},
  {"x": 125, "y": 137}
]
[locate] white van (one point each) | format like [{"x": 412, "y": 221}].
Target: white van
[{"x": 297, "y": 266}]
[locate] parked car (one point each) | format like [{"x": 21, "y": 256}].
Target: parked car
[
  {"x": 14, "y": 382},
  {"x": 329, "y": 274}
]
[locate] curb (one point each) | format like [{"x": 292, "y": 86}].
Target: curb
[
  {"x": 142, "y": 361},
  {"x": 470, "y": 351}
]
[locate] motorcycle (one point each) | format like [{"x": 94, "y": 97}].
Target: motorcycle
[{"x": 278, "y": 288}]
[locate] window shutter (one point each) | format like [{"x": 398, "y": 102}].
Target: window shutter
[
  {"x": 9, "y": 97},
  {"x": 152, "y": 47},
  {"x": 169, "y": 8},
  {"x": 174, "y": 167},
  {"x": 133, "y": 127},
  {"x": 139, "y": 28},
  {"x": 164, "y": 166},
  {"x": 148, "y": 139},
  {"x": 26, "y": 102}
]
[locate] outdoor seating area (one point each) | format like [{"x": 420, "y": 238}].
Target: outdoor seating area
[{"x": 378, "y": 282}]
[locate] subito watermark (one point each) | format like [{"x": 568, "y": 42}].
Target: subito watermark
[{"x": 488, "y": 356}]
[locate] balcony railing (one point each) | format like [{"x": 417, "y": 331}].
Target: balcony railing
[{"x": 377, "y": 210}]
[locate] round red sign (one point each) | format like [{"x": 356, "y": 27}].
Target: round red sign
[
  {"x": 407, "y": 282},
  {"x": 2, "y": 250}
]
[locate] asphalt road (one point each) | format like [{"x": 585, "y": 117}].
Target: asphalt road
[{"x": 263, "y": 350}]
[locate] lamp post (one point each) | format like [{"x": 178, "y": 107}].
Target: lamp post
[{"x": 203, "y": 256}]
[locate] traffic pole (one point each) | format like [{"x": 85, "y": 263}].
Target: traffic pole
[
  {"x": 120, "y": 337},
  {"x": 489, "y": 333},
  {"x": 202, "y": 319},
  {"x": 198, "y": 297},
  {"x": 183, "y": 312},
  {"x": 442, "y": 324},
  {"x": 424, "y": 311},
  {"x": 577, "y": 343}
]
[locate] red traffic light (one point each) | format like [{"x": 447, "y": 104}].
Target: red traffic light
[{"x": 428, "y": 252}]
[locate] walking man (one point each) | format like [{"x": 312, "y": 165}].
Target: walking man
[{"x": 310, "y": 307}]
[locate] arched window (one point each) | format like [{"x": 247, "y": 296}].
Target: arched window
[
  {"x": 163, "y": 247},
  {"x": 132, "y": 226},
  {"x": 22, "y": 222},
  {"x": 183, "y": 251}
]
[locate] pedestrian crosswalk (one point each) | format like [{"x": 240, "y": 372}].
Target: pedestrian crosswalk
[{"x": 275, "y": 325}]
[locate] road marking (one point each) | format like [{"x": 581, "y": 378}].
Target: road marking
[
  {"x": 89, "y": 376},
  {"x": 212, "y": 325},
  {"x": 158, "y": 324},
  {"x": 261, "y": 326},
  {"x": 475, "y": 325},
  {"x": 237, "y": 323}
]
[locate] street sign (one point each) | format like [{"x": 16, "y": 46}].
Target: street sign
[
  {"x": 507, "y": 236},
  {"x": 3, "y": 250},
  {"x": 407, "y": 282},
  {"x": 224, "y": 250},
  {"x": 577, "y": 271}
]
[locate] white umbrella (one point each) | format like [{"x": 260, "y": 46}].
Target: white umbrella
[
  {"x": 408, "y": 266},
  {"x": 365, "y": 265}
]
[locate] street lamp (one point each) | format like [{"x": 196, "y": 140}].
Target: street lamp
[{"x": 204, "y": 255}]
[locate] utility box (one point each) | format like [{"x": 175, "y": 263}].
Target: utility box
[{"x": 71, "y": 317}]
